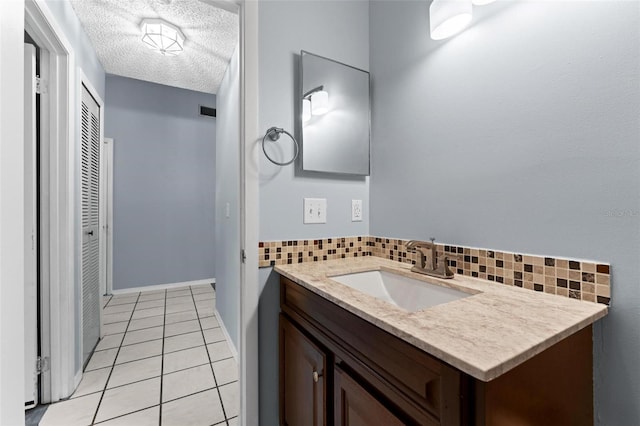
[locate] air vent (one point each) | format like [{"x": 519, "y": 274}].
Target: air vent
[{"x": 207, "y": 111}]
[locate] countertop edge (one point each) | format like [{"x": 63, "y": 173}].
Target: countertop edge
[{"x": 479, "y": 373}]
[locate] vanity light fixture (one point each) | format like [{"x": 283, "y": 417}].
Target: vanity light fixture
[
  {"x": 162, "y": 36},
  {"x": 449, "y": 17},
  {"x": 319, "y": 99},
  {"x": 306, "y": 110}
]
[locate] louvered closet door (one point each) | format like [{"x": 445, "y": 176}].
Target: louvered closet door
[{"x": 90, "y": 231}]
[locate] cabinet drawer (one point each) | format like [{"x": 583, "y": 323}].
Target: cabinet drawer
[{"x": 418, "y": 377}]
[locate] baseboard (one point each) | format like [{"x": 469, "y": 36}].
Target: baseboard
[
  {"x": 163, "y": 286},
  {"x": 76, "y": 381},
  {"x": 232, "y": 347}
]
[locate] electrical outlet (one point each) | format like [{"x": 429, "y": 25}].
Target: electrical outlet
[
  {"x": 315, "y": 210},
  {"x": 356, "y": 210}
]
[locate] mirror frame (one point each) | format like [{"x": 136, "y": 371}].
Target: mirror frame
[{"x": 301, "y": 124}]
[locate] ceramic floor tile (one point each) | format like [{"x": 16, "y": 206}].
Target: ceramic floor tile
[
  {"x": 172, "y": 294},
  {"x": 187, "y": 382},
  {"x": 110, "y": 341},
  {"x": 226, "y": 371},
  {"x": 209, "y": 322},
  {"x": 180, "y": 316},
  {"x": 119, "y": 317},
  {"x": 92, "y": 381},
  {"x": 206, "y": 312},
  {"x": 144, "y": 335},
  {"x": 218, "y": 351},
  {"x": 122, "y": 300},
  {"x": 203, "y": 408},
  {"x": 102, "y": 359},
  {"x": 135, "y": 371},
  {"x": 115, "y": 328},
  {"x": 119, "y": 308},
  {"x": 151, "y": 296},
  {"x": 179, "y": 300},
  {"x": 181, "y": 328},
  {"x": 182, "y": 307},
  {"x": 76, "y": 411},
  {"x": 146, "y": 313},
  {"x": 150, "y": 304},
  {"x": 139, "y": 351},
  {"x": 230, "y": 395},
  {"x": 147, "y": 417},
  {"x": 129, "y": 398},
  {"x": 138, "y": 324},
  {"x": 183, "y": 341},
  {"x": 199, "y": 289},
  {"x": 204, "y": 296},
  {"x": 213, "y": 335},
  {"x": 233, "y": 422},
  {"x": 185, "y": 359}
]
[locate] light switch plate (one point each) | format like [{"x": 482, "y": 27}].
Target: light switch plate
[
  {"x": 227, "y": 211},
  {"x": 356, "y": 210},
  {"x": 315, "y": 210}
]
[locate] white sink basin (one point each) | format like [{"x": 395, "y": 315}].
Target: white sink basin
[{"x": 407, "y": 293}]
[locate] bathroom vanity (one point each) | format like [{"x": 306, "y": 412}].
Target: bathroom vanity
[{"x": 501, "y": 356}]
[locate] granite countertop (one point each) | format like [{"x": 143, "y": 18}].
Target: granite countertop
[{"x": 484, "y": 335}]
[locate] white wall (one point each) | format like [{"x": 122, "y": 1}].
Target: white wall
[
  {"x": 520, "y": 134},
  {"x": 11, "y": 213},
  {"x": 337, "y": 30},
  {"x": 227, "y": 228}
]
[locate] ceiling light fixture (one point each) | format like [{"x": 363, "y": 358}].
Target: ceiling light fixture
[
  {"x": 481, "y": 2},
  {"x": 449, "y": 17},
  {"x": 163, "y": 37}
]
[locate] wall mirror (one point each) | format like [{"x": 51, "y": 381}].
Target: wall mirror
[{"x": 335, "y": 116}]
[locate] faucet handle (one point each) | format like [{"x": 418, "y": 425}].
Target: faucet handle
[{"x": 433, "y": 240}]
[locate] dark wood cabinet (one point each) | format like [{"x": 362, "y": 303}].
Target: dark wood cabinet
[
  {"x": 366, "y": 376},
  {"x": 302, "y": 378},
  {"x": 355, "y": 406}
]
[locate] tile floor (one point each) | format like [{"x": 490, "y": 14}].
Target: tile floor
[{"x": 163, "y": 361}]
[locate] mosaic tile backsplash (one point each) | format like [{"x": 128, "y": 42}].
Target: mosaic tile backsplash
[{"x": 564, "y": 277}]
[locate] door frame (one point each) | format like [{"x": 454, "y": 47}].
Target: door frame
[
  {"x": 106, "y": 203},
  {"x": 83, "y": 80},
  {"x": 58, "y": 197},
  {"x": 249, "y": 166},
  {"x": 11, "y": 213}
]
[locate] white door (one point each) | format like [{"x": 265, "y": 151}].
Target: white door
[
  {"x": 90, "y": 153},
  {"x": 30, "y": 221}
]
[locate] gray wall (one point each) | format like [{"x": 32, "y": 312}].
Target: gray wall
[
  {"x": 521, "y": 134},
  {"x": 163, "y": 183},
  {"x": 86, "y": 60},
  {"x": 227, "y": 245},
  {"x": 338, "y": 30}
]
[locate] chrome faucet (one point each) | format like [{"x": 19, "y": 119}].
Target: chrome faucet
[{"x": 437, "y": 267}]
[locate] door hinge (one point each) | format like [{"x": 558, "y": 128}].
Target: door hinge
[
  {"x": 42, "y": 364},
  {"x": 243, "y": 256},
  {"x": 41, "y": 85}
]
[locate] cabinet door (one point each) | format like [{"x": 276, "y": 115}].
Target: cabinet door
[
  {"x": 355, "y": 406},
  {"x": 303, "y": 392}
]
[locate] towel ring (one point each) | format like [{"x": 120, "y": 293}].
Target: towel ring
[{"x": 274, "y": 134}]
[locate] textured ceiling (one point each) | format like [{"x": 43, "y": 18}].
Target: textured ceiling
[{"x": 113, "y": 26}]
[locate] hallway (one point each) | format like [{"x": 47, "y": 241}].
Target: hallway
[{"x": 164, "y": 360}]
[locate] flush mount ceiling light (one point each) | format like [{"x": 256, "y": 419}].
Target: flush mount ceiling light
[
  {"x": 449, "y": 17},
  {"x": 481, "y": 2},
  {"x": 163, "y": 37}
]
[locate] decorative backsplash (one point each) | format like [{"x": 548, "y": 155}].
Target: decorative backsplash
[{"x": 564, "y": 277}]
